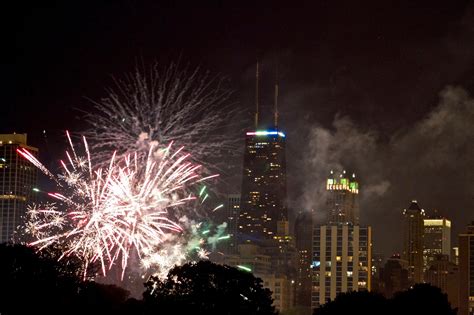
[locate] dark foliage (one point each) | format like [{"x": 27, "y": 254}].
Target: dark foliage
[
  {"x": 419, "y": 299},
  {"x": 33, "y": 282},
  {"x": 361, "y": 302},
  {"x": 207, "y": 288},
  {"x": 38, "y": 283}
]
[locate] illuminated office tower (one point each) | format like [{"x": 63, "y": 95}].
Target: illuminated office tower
[
  {"x": 343, "y": 199},
  {"x": 413, "y": 228},
  {"x": 466, "y": 271},
  {"x": 342, "y": 257},
  {"x": 436, "y": 239},
  {"x": 263, "y": 185},
  {"x": 17, "y": 180}
]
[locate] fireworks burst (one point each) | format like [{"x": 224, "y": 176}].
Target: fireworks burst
[
  {"x": 132, "y": 208},
  {"x": 164, "y": 105}
]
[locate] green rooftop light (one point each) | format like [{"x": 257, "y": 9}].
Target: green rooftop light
[{"x": 36, "y": 189}]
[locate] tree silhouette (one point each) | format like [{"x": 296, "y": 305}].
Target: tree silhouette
[
  {"x": 207, "y": 288},
  {"x": 354, "y": 302},
  {"x": 29, "y": 281},
  {"x": 421, "y": 299}
]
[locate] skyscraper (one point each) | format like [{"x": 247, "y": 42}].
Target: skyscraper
[
  {"x": 303, "y": 235},
  {"x": 263, "y": 200},
  {"x": 436, "y": 239},
  {"x": 342, "y": 250},
  {"x": 466, "y": 271},
  {"x": 343, "y": 198},
  {"x": 17, "y": 180},
  {"x": 413, "y": 241},
  {"x": 232, "y": 217}
]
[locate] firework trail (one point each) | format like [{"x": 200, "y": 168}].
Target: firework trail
[
  {"x": 176, "y": 104},
  {"x": 131, "y": 208}
]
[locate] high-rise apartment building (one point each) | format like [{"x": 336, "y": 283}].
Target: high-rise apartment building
[
  {"x": 341, "y": 261},
  {"x": 466, "y": 271},
  {"x": 263, "y": 199},
  {"x": 343, "y": 198},
  {"x": 17, "y": 180},
  {"x": 413, "y": 229},
  {"x": 436, "y": 239}
]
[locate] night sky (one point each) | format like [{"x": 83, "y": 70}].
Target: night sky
[{"x": 383, "y": 88}]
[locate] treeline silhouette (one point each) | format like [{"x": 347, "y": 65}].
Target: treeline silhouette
[
  {"x": 420, "y": 299},
  {"x": 37, "y": 283}
]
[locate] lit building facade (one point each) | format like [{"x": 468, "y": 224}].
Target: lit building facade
[
  {"x": 341, "y": 261},
  {"x": 413, "y": 229},
  {"x": 343, "y": 199},
  {"x": 18, "y": 177},
  {"x": 263, "y": 198},
  {"x": 466, "y": 271},
  {"x": 436, "y": 239}
]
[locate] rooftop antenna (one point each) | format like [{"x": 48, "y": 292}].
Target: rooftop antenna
[
  {"x": 256, "y": 96},
  {"x": 276, "y": 97}
]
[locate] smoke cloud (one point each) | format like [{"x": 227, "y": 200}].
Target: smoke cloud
[{"x": 431, "y": 160}]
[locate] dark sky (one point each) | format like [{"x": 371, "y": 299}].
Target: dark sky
[{"x": 379, "y": 87}]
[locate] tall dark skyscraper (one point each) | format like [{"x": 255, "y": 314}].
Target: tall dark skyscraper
[
  {"x": 232, "y": 217},
  {"x": 263, "y": 196},
  {"x": 17, "y": 180},
  {"x": 413, "y": 230},
  {"x": 263, "y": 185}
]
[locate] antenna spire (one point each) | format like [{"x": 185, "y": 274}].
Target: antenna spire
[
  {"x": 256, "y": 96},
  {"x": 276, "y": 97}
]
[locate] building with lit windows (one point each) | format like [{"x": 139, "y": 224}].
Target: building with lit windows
[
  {"x": 17, "y": 180},
  {"x": 436, "y": 239},
  {"x": 343, "y": 198},
  {"x": 341, "y": 261},
  {"x": 466, "y": 271},
  {"x": 263, "y": 198},
  {"x": 413, "y": 229}
]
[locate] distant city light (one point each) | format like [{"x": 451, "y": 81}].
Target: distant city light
[
  {"x": 36, "y": 189},
  {"x": 244, "y": 268},
  {"x": 266, "y": 133}
]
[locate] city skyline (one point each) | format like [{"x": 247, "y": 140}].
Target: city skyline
[{"x": 371, "y": 100}]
